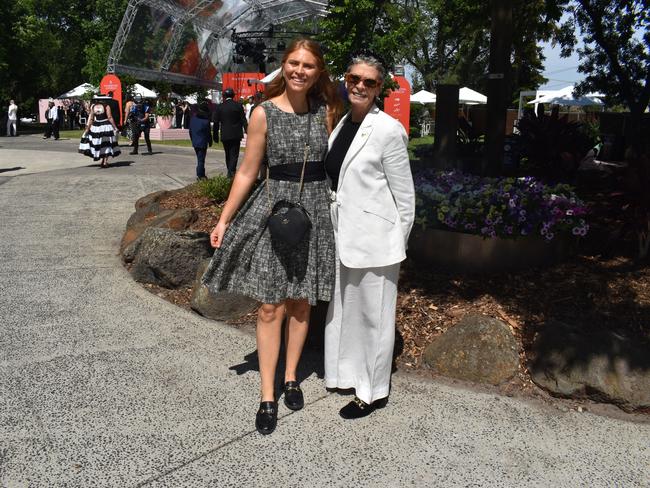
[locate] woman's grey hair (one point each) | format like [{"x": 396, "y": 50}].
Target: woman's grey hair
[{"x": 370, "y": 61}]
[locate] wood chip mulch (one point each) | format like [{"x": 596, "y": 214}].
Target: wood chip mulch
[{"x": 611, "y": 293}]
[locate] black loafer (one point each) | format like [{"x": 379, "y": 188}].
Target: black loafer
[
  {"x": 293, "y": 397},
  {"x": 266, "y": 418},
  {"x": 357, "y": 408}
]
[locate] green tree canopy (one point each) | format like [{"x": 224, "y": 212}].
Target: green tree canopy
[
  {"x": 616, "y": 53},
  {"x": 444, "y": 40}
]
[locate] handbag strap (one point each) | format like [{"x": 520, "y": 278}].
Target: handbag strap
[{"x": 304, "y": 163}]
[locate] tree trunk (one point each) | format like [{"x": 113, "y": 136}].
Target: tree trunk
[
  {"x": 498, "y": 83},
  {"x": 444, "y": 147}
]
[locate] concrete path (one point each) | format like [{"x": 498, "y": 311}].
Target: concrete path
[{"x": 104, "y": 384}]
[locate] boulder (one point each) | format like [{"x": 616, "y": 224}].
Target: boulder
[
  {"x": 143, "y": 218},
  {"x": 479, "y": 348},
  {"x": 218, "y": 306},
  {"x": 168, "y": 258},
  {"x": 601, "y": 365},
  {"x": 152, "y": 198}
]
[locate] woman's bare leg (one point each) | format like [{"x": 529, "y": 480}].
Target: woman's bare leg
[
  {"x": 268, "y": 333},
  {"x": 295, "y": 335}
]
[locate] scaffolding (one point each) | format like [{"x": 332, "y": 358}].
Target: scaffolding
[{"x": 193, "y": 41}]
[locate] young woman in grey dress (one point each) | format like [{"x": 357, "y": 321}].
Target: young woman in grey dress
[{"x": 286, "y": 280}]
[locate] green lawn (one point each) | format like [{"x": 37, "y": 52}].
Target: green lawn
[
  {"x": 76, "y": 134},
  {"x": 71, "y": 134},
  {"x": 420, "y": 141}
]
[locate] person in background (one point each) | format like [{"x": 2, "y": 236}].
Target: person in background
[
  {"x": 73, "y": 115},
  {"x": 185, "y": 116},
  {"x": 115, "y": 109},
  {"x": 99, "y": 140},
  {"x": 373, "y": 208},
  {"x": 201, "y": 137},
  {"x": 229, "y": 118},
  {"x": 178, "y": 114},
  {"x": 128, "y": 123},
  {"x": 52, "y": 116},
  {"x": 140, "y": 115},
  {"x": 12, "y": 117}
]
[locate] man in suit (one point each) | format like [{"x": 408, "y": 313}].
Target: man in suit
[
  {"x": 115, "y": 109},
  {"x": 201, "y": 138},
  {"x": 52, "y": 116},
  {"x": 229, "y": 117}
]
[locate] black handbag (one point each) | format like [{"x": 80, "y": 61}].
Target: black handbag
[{"x": 289, "y": 222}]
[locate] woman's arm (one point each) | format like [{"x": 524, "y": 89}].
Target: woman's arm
[
  {"x": 91, "y": 119},
  {"x": 245, "y": 176},
  {"x": 397, "y": 168},
  {"x": 110, "y": 118}
]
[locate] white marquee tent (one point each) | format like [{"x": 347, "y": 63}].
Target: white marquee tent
[
  {"x": 423, "y": 97},
  {"x": 565, "y": 96},
  {"x": 143, "y": 91},
  {"x": 471, "y": 97},
  {"x": 78, "y": 91}
]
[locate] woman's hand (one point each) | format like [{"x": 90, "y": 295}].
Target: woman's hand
[{"x": 216, "y": 236}]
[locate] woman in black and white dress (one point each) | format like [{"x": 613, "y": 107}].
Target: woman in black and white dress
[{"x": 99, "y": 140}]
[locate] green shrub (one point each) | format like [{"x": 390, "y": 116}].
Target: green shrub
[{"x": 216, "y": 188}]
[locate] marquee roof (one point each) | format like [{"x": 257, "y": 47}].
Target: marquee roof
[{"x": 191, "y": 41}]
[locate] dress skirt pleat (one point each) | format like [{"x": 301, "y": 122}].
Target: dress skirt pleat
[{"x": 360, "y": 330}]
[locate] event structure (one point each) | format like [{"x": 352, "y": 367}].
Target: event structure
[{"x": 194, "y": 41}]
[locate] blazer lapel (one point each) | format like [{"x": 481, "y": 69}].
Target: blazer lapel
[
  {"x": 360, "y": 139},
  {"x": 336, "y": 131}
]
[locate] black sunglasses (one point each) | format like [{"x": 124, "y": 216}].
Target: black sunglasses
[{"x": 355, "y": 79}]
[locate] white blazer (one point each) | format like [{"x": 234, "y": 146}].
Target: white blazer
[{"x": 375, "y": 200}]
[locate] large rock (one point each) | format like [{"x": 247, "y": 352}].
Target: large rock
[
  {"x": 479, "y": 348},
  {"x": 145, "y": 217},
  {"x": 580, "y": 362},
  {"x": 218, "y": 306},
  {"x": 153, "y": 198},
  {"x": 168, "y": 258}
]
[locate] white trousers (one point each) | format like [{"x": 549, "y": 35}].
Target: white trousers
[
  {"x": 11, "y": 124},
  {"x": 360, "y": 330}
]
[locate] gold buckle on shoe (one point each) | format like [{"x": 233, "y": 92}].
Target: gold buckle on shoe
[{"x": 360, "y": 403}]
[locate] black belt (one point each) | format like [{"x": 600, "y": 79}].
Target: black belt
[{"x": 314, "y": 171}]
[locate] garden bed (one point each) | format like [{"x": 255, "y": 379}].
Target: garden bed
[{"x": 589, "y": 290}]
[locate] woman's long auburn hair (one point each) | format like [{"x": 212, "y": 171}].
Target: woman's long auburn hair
[{"x": 323, "y": 90}]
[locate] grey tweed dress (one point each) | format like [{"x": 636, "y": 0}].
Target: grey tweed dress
[{"x": 249, "y": 262}]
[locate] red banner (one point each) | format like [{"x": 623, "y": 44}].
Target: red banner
[
  {"x": 397, "y": 104},
  {"x": 244, "y": 84},
  {"x": 111, "y": 83}
]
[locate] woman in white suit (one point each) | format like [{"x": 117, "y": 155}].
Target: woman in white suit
[{"x": 373, "y": 206}]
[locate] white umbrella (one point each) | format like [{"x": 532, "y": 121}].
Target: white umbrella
[
  {"x": 565, "y": 96},
  {"x": 471, "y": 97},
  {"x": 143, "y": 91},
  {"x": 78, "y": 91},
  {"x": 270, "y": 77},
  {"x": 423, "y": 97}
]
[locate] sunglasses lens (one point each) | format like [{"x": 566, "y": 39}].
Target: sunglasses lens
[{"x": 355, "y": 79}]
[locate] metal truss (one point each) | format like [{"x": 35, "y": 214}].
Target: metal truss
[
  {"x": 122, "y": 34},
  {"x": 176, "y": 78},
  {"x": 177, "y": 33},
  {"x": 260, "y": 14}
]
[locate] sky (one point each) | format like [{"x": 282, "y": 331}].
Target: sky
[{"x": 560, "y": 72}]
